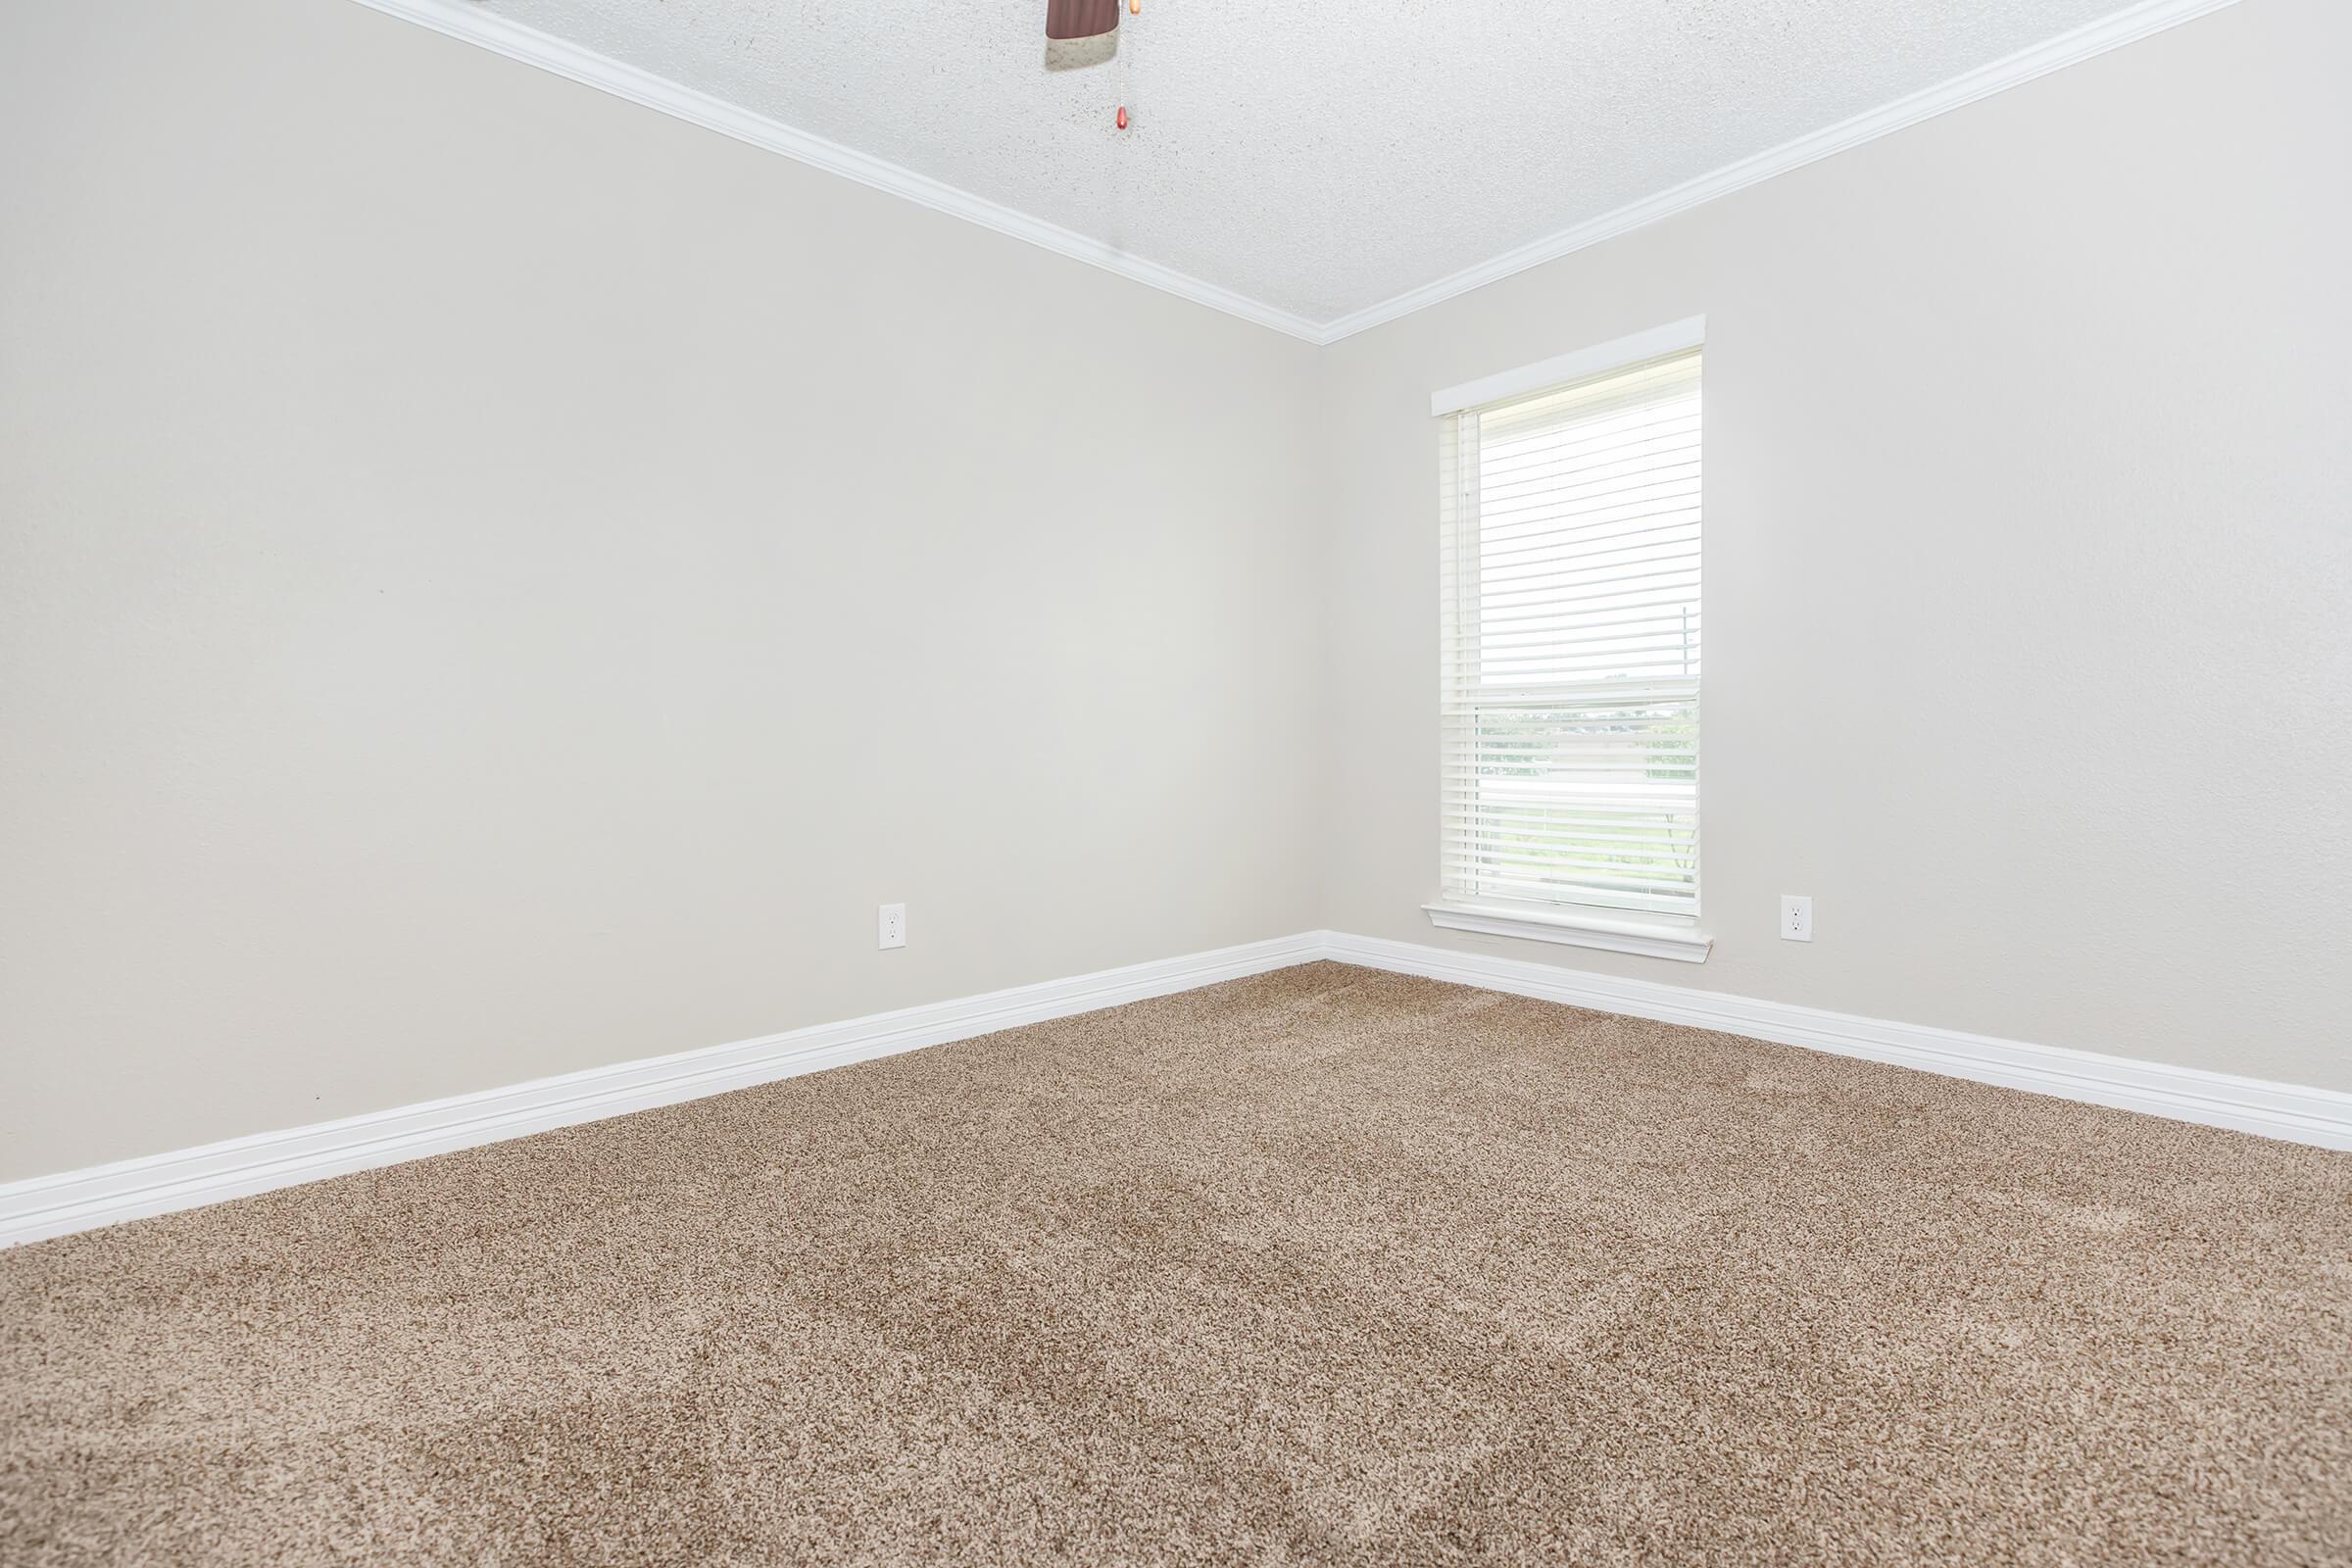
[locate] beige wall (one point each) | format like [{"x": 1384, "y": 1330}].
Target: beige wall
[
  {"x": 495, "y": 581},
  {"x": 2028, "y": 560}
]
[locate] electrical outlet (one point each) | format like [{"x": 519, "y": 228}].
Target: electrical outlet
[
  {"x": 1797, "y": 917},
  {"x": 893, "y": 925}
]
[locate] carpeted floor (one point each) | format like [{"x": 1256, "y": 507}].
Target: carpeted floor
[{"x": 1327, "y": 1266}]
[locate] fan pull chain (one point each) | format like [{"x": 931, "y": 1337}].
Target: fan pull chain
[{"x": 1135, "y": 8}]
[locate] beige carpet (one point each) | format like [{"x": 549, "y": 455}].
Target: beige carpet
[{"x": 1328, "y": 1266}]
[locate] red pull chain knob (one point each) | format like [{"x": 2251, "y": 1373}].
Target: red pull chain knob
[{"x": 1122, "y": 117}]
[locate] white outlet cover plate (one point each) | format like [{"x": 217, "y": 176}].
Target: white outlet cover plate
[
  {"x": 891, "y": 925},
  {"x": 1797, "y": 917}
]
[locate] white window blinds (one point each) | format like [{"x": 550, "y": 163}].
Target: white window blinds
[{"x": 1570, "y": 644}]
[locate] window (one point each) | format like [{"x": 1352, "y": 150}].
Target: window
[{"x": 1570, "y": 647}]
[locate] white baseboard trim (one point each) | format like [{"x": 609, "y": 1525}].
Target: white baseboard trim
[
  {"x": 2289, "y": 1111},
  {"x": 160, "y": 1184}
]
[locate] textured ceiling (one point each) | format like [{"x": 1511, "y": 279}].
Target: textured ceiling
[{"x": 1322, "y": 156}]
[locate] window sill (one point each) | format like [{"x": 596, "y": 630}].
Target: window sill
[{"x": 1681, "y": 944}]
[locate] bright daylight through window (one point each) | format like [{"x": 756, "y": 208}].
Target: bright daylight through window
[{"x": 1571, "y": 646}]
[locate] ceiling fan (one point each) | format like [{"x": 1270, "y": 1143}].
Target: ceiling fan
[
  {"x": 1081, "y": 19},
  {"x": 1086, "y": 18}
]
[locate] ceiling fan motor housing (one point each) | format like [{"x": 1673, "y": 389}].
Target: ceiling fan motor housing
[{"x": 1080, "y": 19}]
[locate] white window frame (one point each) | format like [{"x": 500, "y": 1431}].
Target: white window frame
[{"x": 1673, "y": 937}]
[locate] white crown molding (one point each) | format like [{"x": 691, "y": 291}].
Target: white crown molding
[
  {"x": 477, "y": 25},
  {"x": 473, "y": 24},
  {"x": 2066, "y": 49},
  {"x": 162, "y": 1184},
  {"x": 2289, "y": 1111}
]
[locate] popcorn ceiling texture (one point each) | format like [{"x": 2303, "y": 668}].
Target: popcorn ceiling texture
[
  {"x": 1322, "y": 1267},
  {"x": 1321, "y": 158}
]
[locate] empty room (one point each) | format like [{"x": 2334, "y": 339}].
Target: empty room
[{"x": 1166, "y": 782}]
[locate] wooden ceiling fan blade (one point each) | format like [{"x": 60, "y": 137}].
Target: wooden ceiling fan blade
[{"x": 1080, "y": 19}]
